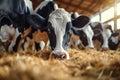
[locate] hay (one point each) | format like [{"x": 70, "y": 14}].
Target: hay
[{"x": 88, "y": 64}]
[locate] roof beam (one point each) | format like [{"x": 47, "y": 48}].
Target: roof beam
[{"x": 90, "y": 11}]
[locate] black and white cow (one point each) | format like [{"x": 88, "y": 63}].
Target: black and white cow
[
  {"x": 114, "y": 40},
  {"x": 19, "y": 14},
  {"x": 85, "y": 34},
  {"x": 102, "y": 32},
  {"x": 94, "y": 31},
  {"x": 59, "y": 26},
  {"x": 43, "y": 9}
]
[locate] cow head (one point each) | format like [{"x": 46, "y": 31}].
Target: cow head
[
  {"x": 114, "y": 40},
  {"x": 7, "y": 31},
  {"x": 6, "y": 28},
  {"x": 59, "y": 27},
  {"x": 102, "y": 33},
  {"x": 85, "y": 34}
]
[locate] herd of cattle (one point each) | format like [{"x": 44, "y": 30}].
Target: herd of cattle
[{"x": 50, "y": 26}]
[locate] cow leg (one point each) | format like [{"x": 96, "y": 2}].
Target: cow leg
[{"x": 42, "y": 45}]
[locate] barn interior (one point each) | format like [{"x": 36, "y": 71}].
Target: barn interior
[
  {"x": 84, "y": 64},
  {"x": 92, "y": 8}
]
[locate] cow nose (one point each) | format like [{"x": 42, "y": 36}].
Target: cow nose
[{"x": 58, "y": 55}]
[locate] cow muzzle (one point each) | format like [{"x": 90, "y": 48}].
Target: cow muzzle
[{"x": 59, "y": 55}]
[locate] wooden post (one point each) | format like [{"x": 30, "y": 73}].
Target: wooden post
[
  {"x": 115, "y": 14},
  {"x": 100, "y": 9}
]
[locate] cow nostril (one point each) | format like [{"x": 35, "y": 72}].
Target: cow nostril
[
  {"x": 63, "y": 56},
  {"x": 58, "y": 55}
]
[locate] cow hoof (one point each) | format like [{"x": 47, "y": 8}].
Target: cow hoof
[
  {"x": 104, "y": 49},
  {"x": 58, "y": 55}
]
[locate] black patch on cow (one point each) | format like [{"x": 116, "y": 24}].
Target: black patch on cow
[
  {"x": 15, "y": 47},
  {"x": 37, "y": 46},
  {"x": 46, "y": 10},
  {"x": 73, "y": 15},
  {"x": 66, "y": 38},
  {"x": 80, "y": 21},
  {"x": 83, "y": 37},
  {"x": 4, "y": 18},
  {"x": 51, "y": 35}
]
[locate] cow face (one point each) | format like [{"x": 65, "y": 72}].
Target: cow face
[
  {"x": 59, "y": 31},
  {"x": 102, "y": 32},
  {"x": 114, "y": 40}
]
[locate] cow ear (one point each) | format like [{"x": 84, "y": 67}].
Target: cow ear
[{"x": 80, "y": 21}]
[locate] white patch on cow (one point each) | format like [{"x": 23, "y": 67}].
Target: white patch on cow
[
  {"x": 42, "y": 45},
  {"x": 17, "y": 33},
  {"x": 89, "y": 33},
  {"x": 44, "y": 3},
  {"x": 106, "y": 33},
  {"x": 75, "y": 14},
  {"x": 114, "y": 39},
  {"x": 47, "y": 45},
  {"x": 56, "y": 6},
  {"x": 6, "y": 32},
  {"x": 28, "y": 3},
  {"x": 59, "y": 19}
]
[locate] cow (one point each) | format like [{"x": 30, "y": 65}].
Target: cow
[
  {"x": 85, "y": 34},
  {"x": 95, "y": 31},
  {"x": 114, "y": 40},
  {"x": 18, "y": 14},
  {"x": 43, "y": 9},
  {"x": 102, "y": 33},
  {"x": 59, "y": 26}
]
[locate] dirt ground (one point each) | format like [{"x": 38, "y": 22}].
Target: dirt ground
[{"x": 88, "y": 64}]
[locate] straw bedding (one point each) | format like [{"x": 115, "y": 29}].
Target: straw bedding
[{"x": 88, "y": 64}]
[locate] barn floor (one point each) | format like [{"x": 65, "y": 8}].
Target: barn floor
[{"x": 88, "y": 64}]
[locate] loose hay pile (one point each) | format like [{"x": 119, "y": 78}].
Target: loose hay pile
[{"x": 87, "y": 64}]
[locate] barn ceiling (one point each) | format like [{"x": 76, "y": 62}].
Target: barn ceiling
[{"x": 86, "y": 7}]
